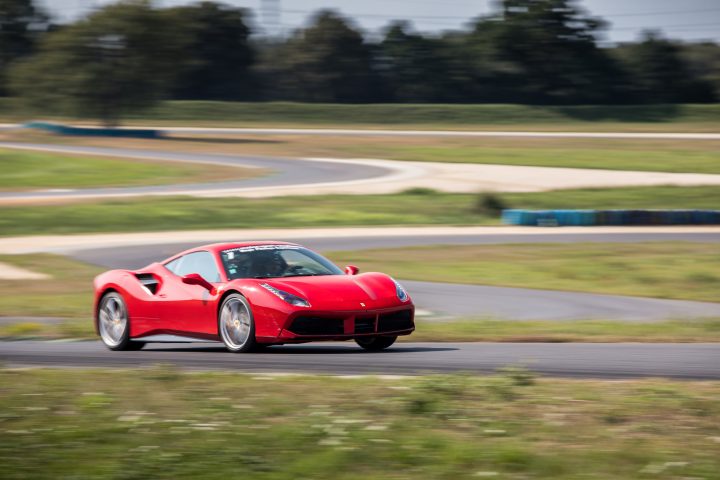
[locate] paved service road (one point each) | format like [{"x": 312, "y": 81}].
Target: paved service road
[
  {"x": 620, "y": 360},
  {"x": 412, "y": 133},
  {"x": 440, "y": 133},
  {"x": 476, "y": 301},
  {"x": 506, "y": 303},
  {"x": 138, "y": 254}
]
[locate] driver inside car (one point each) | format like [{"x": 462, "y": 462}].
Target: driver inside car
[{"x": 268, "y": 264}]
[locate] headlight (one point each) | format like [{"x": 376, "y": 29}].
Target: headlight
[
  {"x": 401, "y": 293},
  {"x": 288, "y": 297}
]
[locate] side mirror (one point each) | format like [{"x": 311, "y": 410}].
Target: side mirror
[
  {"x": 351, "y": 270},
  {"x": 196, "y": 279}
]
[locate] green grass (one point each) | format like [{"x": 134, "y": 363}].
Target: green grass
[
  {"x": 589, "y": 117},
  {"x": 160, "y": 423},
  {"x": 419, "y": 208},
  {"x": 675, "y": 159},
  {"x": 689, "y": 271},
  {"x": 36, "y": 170},
  {"x": 196, "y": 213}
]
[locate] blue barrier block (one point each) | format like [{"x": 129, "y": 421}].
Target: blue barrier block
[
  {"x": 610, "y": 217},
  {"x": 93, "y": 132}
]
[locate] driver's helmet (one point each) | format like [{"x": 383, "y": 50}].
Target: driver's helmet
[{"x": 268, "y": 263}]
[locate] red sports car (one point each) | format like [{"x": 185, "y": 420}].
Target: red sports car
[{"x": 249, "y": 295}]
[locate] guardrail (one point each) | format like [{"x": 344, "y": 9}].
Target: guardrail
[
  {"x": 559, "y": 218},
  {"x": 93, "y": 131}
]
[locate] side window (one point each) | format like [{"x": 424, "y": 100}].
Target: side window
[
  {"x": 173, "y": 266},
  {"x": 201, "y": 263}
]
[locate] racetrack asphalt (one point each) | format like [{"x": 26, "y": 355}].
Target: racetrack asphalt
[
  {"x": 284, "y": 172},
  {"x": 586, "y": 360}
]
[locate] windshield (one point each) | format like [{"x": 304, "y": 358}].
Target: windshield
[{"x": 275, "y": 261}]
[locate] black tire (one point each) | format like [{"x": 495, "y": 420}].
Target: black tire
[
  {"x": 135, "y": 346},
  {"x": 375, "y": 344},
  {"x": 228, "y": 333},
  {"x": 124, "y": 342}
]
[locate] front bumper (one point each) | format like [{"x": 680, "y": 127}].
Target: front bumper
[{"x": 310, "y": 325}]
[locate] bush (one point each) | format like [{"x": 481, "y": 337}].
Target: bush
[
  {"x": 490, "y": 204},
  {"x": 420, "y": 191}
]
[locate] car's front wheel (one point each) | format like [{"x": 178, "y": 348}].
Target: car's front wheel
[
  {"x": 114, "y": 323},
  {"x": 236, "y": 324},
  {"x": 375, "y": 344}
]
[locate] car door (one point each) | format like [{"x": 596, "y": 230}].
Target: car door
[{"x": 190, "y": 308}]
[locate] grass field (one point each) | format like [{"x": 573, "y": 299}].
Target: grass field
[
  {"x": 658, "y": 269},
  {"x": 418, "y": 207},
  {"x": 676, "y": 158},
  {"x": 505, "y": 117},
  {"x": 666, "y": 155},
  {"x": 22, "y": 170},
  {"x": 163, "y": 423},
  {"x": 67, "y": 296}
]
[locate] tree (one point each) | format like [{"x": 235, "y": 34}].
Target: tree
[
  {"x": 703, "y": 61},
  {"x": 218, "y": 55},
  {"x": 660, "y": 73},
  {"x": 415, "y": 68},
  {"x": 326, "y": 62},
  {"x": 540, "y": 51},
  {"x": 20, "y": 25},
  {"x": 118, "y": 60}
]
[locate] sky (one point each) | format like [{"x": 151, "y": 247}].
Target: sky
[{"x": 690, "y": 20}]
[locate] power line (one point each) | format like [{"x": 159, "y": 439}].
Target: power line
[
  {"x": 716, "y": 24},
  {"x": 446, "y": 20},
  {"x": 270, "y": 13},
  {"x": 676, "y": 12},
  {"x": 457, "y": 17}
]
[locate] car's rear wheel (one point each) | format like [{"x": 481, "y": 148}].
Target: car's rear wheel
[
  {"x": 236, "y": 324},
  {"x": 114, "y": 323},
  {"x": 375, "y": 344}
]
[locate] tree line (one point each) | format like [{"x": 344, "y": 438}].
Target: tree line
[{"x": 128, "y": 54}]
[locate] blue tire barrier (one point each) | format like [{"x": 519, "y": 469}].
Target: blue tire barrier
[
  {"x": 562, "y": 218},
  {"x": 93, "y": 132}
]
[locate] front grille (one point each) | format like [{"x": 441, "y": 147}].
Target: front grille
[
  {"x": 317, "y": 326},
  {"x": 365, "y": 324},
  {"x": 400, "y": 320}
]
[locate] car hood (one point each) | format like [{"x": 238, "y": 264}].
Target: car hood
[{"x": 342, "y": 292}]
